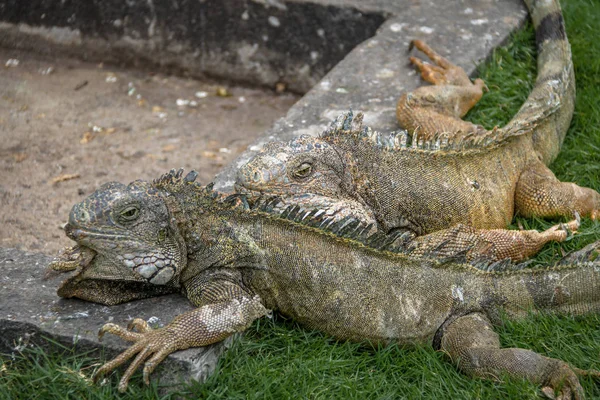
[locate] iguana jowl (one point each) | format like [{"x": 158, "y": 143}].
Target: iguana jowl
[
  {"x": 236, "y": 263},
  {"x": 443, "y": 171}
]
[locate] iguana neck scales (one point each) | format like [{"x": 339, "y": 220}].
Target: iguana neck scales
[
  {"x": 236, "y": 263},
  {"x": 442, "y": 171}
]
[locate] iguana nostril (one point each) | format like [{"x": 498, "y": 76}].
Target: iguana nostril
[
  {"x": 257, "y": 176},
  {"x": 78, "y": 216}
]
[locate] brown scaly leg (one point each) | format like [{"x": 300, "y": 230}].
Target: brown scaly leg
[
  {"x": 488, "y": 244},
  {"x": 539, "y": 193},
  {"x": 473, "y": 345},
  {"x": 202, "y": 326},
  {"x": 439, "y": 108}
]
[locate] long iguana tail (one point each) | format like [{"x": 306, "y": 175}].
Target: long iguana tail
[{"x": 550, "y": 104}]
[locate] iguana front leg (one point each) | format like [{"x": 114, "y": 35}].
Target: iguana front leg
[
  {"x": 205, "y": 325},
  {"x": 472, "y": 344},
  {"x": 429, "y": 110},
  {"x": 540, "y": 194},
  {"x": 489, "y": 244}
]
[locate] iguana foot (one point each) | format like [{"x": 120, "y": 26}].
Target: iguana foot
[
  {"x": 443, "y": 72},
  {"x": 562, "y": 383},
  {"x": 430, "y": 110},
  {"x": 471, "y": 342},
  {"x": 205, "y": 325},
  {"x": 148, "y": 343},
  {"x": 561, "y": 232},
  {"x": 564, "y": 377}
]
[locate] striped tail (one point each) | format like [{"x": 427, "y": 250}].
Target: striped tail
[{"x": 549, "y": 107}]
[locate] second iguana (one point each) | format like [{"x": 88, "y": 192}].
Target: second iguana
[{"x": 443, "y": 171}]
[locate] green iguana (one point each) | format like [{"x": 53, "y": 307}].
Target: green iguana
[
  {"x": 444, "y": 171},
  {"x": 237, "y": 263}
]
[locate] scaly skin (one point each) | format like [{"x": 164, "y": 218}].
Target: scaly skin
[
  {"x": 236, "y": 263},
  {"x": 443, "y": 171}
]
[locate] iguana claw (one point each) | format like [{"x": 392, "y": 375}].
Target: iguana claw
[
  {"x": 565, "y": 380},
  {"x": 443, "y": 72},
  {"x": 69, "y": 259},
  {"x": 563, "y": 384},
  {"x": 151, "y": 346}
]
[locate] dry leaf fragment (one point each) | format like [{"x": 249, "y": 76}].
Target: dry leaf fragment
[
  {"x": 223, "y": 92},
  {"x": 280, "y": 87},
  {"x": 64, "y": 177},
  {"x": 156, "y": 157},
  {"x": 19, "y": 157},
  {"x": 86, "y": 138},
  {"x": 209, "y": 154}
]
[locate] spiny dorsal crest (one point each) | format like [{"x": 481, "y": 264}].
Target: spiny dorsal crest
[
  {"x": 174, "y": 177},
  {"x": 175, "y": 181},
  {"x": 347, "y": 228},
  {"x": 349, "y": 125}
]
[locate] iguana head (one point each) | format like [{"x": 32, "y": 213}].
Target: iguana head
[
  {"x": 132, "y": 227},
  {"x": 313, "y": 172},
  {"x": 303, "y": 165}
]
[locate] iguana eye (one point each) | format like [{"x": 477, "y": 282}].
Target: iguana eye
[
  {"x": 130, "y": 213},
  {"x": 303, "y": 170}
]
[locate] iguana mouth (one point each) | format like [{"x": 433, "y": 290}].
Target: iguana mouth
[
  {"x": 153, "y": 266},
  {"x": 79, "y": 234}
]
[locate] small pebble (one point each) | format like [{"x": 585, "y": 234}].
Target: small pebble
[{"x": 223, "y": 92}]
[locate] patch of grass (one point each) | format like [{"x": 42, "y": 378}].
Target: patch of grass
[
  {"x": 61, "y": 373},
  {"x": 278, "y": 359}
]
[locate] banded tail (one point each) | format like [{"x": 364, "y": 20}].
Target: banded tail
[{"x": 550, "y": 104}]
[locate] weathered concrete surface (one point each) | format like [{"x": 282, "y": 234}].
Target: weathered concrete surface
[
  {"x": 30, "y": 312},
  {"x": 369, "y": 79},
  {"x": 372, "y": 76},
  {"x": 259, "y": 42}
]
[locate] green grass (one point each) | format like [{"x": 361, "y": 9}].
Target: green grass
[{"x": 279, "y": 359}]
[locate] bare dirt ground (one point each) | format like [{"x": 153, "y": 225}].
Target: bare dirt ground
[{"x": 67, "y": 126}]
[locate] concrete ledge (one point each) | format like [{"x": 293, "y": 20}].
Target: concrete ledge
[{"x": 32, "y": 313}]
